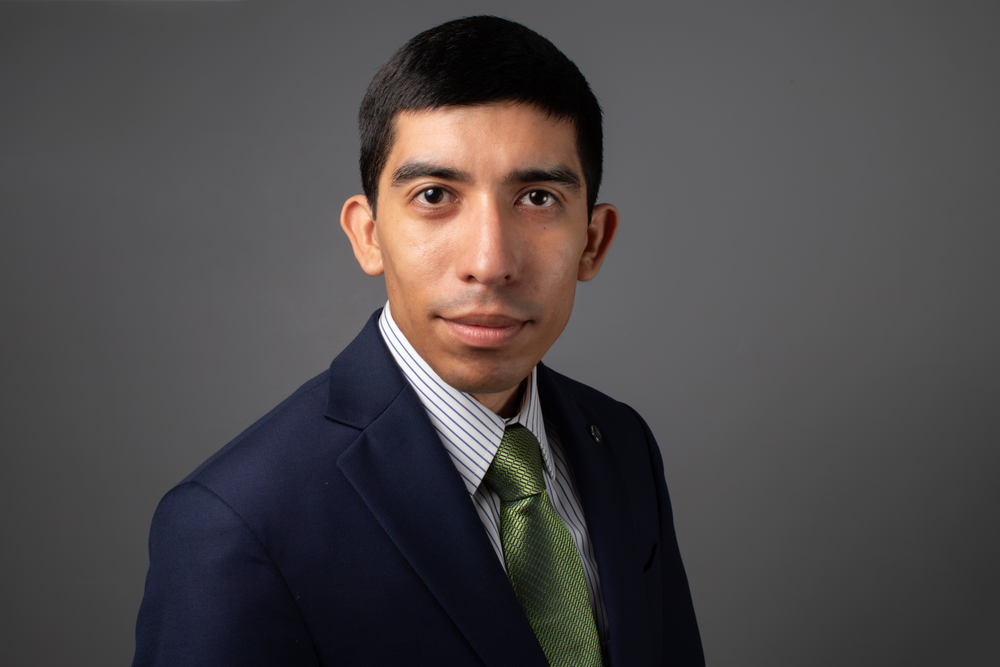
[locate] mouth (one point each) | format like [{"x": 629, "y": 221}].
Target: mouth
[{"x": 485, "y": 331}]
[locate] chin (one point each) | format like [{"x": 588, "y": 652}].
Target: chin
[{"x": 491, "y": 380}]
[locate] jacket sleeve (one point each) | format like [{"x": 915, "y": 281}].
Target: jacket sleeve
[
  {"x": 213, "y": 594},
  {"x": 681, "y": 639}
]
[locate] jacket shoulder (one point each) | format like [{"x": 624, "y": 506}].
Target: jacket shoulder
[
  {"x": 597, "y": 405},
  {"x": 303, "y": 403},
  {"x": 272, "y": 465}
]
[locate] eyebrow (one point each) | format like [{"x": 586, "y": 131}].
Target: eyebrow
[
  {"x": 411, "y": 171},
  {"x": 559, "y": 174}
]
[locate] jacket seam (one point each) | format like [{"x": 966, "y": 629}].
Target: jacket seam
[{"x": 269, "y": 557}]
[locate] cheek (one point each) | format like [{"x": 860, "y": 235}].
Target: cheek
[
  {"x": 413, "y": 264},
  {"x": 554, "y": 267}
]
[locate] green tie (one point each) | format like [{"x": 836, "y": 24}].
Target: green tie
[{"x": 542, "y": 561}]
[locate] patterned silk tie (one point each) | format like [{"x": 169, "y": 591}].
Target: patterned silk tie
[{"x": 542, "y": 560}]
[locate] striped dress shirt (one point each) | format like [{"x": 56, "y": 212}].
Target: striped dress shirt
[{"x": 471, "y": 434}]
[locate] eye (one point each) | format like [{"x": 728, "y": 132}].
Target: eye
[
  {"x": 538, "y": 199},
  {"x": 432, "y": 196}
]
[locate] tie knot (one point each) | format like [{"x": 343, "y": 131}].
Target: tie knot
[{"x": 516, "y": 471}]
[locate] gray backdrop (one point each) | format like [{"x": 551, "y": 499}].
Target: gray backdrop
[{"x": 802, "y": 299}]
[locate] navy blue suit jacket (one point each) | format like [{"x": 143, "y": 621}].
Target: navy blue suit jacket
[{"x": 336, "y": 531}]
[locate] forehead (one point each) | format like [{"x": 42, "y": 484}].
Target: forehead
[{"x": 484, "y": 139}]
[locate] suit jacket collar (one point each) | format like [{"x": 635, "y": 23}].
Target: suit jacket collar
[{"x": 364, "y": 379}]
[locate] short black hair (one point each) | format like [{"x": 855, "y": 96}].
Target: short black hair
[{"x": 478, "y": 60}]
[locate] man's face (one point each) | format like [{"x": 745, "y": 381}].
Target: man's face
[{"x": 482, "y": 233}]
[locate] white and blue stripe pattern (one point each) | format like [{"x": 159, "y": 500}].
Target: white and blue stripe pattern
[{"x": 471, "y": 434}]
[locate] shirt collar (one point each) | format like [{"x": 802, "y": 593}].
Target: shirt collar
[{"x": 469, "y": 431}]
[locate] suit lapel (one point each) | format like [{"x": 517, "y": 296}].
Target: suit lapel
[
  {"x": 406, "y": 478},
  {"x": 605, "y": 504}
]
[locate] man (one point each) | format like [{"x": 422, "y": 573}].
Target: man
[{"x": 439, "y": 496}]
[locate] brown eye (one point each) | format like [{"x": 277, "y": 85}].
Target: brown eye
[
  {"x": 432, "y": 195},
  {"x": 539, "y": 199}
]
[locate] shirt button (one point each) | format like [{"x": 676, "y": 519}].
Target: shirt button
[{"x": 595, "y": 433}]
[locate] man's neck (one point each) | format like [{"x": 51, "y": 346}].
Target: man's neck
[{"x": 505, "y": 404}]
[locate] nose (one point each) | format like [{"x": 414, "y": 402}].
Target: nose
[{"x": 489, "y": 250}]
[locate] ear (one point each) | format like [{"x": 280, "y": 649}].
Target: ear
[
  {"x": 358, "y": 223},
  {"x": 600, "y": 234}
]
